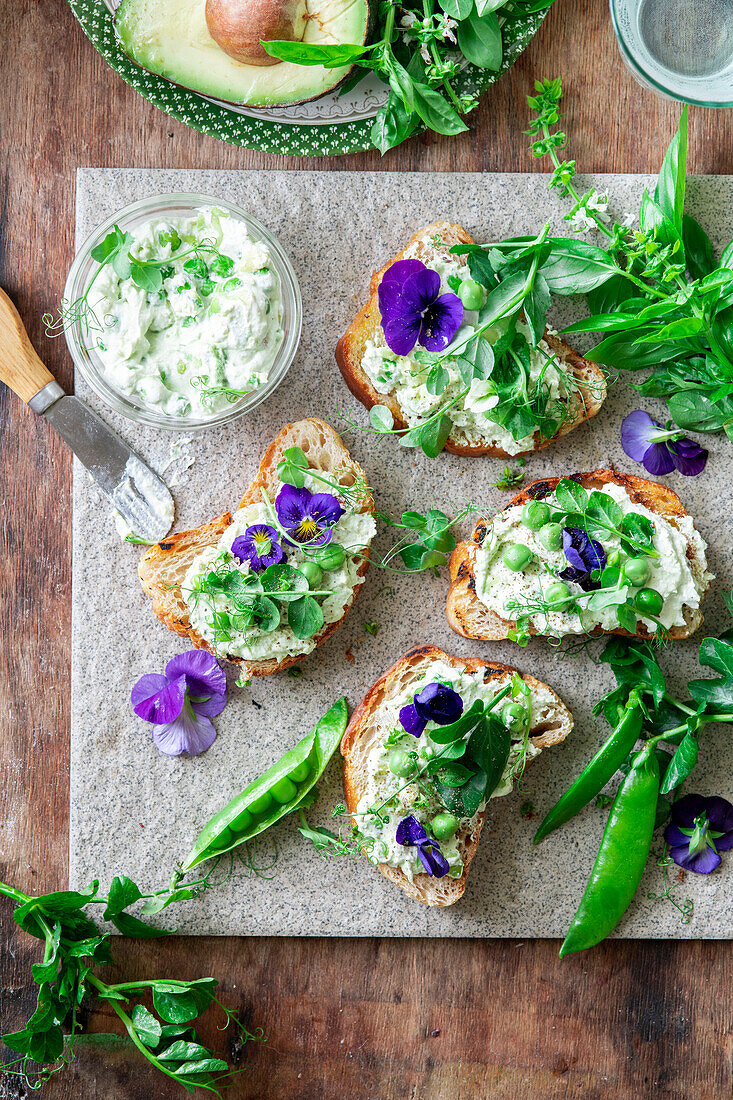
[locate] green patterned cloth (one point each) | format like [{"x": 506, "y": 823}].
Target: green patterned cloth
[{"x": 321, "y": 138}]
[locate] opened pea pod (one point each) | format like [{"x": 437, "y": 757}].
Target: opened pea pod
[{"x": 273, "y": 795}]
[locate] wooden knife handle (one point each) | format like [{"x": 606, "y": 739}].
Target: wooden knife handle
[{"x": 20, "y": 367}]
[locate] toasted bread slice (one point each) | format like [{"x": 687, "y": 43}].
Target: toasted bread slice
[
  {"x": 367, "y": 326},
  {"x": 468, "y": 616},
  {"x": 550, "y": 725},
  {"x": 163, "y": 567}
]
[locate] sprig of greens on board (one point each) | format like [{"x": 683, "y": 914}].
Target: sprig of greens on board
[
  {"x": 654, "y": 744},
  {"x": 665, "y": 302},
  {"x": 419, "y": 50}
]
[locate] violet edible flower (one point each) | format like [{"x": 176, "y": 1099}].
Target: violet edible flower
[
  {"x": 413, "y": 309},
  {"x": 700, "y": 828},
  {"x": 435, "y": 703},
  {"x": 584, "y": 555},
  {"x": 661, "y": 450},
  {"x": 412, "y": 834},
  {"x": 181, "y": 702},
  {"x": 259, "y": 546},
  {"x": 307, "y": 517}
]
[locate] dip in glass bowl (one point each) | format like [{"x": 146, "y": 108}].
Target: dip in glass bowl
[{"x": 182, "y": 311}]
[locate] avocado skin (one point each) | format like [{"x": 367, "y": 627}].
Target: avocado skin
[{"x": 170, "y": 39}]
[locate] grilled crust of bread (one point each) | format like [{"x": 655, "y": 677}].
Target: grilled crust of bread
[
  {"x": 363, "y": 730},
  {"x": 471, "y": 618},
  {"x": 367, "y": 326},
  {"x": 163, "y": 567}
]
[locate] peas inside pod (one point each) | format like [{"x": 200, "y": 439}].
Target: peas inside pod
[{"x": 276, "y": 793}]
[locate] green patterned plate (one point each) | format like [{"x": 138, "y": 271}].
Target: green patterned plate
[{"x": 324, "y": 127}]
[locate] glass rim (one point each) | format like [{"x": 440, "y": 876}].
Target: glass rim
[
  {"x": 90, "y": 366},
  {"x": 636, "y": 67}
]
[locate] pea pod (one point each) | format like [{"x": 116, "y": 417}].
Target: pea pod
[
  {"x": 276, "y": 793},
  {"x": 621, "y": 857},
  {"x": 598, "y": 771}
]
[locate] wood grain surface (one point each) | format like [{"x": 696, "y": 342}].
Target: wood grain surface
[{"x": 356, "y": 1019}]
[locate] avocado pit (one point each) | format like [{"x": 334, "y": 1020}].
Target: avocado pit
[{"x": 240, "y": 26}]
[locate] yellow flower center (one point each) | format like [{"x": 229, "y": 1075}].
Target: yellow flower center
[{"x": 307, "y": 529}]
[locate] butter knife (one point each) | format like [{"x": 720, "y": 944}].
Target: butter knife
[{"x": 138, "y": 494}]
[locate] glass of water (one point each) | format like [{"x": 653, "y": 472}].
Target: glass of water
[{"x": 682, "y": 49}]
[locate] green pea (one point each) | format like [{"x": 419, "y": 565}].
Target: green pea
[
  {"x": 613, "y": 559},
  {"x": 331, "y": 557},
  {"x": 637, "y": 571},
  {"x": 648, "y": 601},
  {"x": 300, "y": 772},
  {"x": 312, "y": 573},
  {"x": 535, "y": 514},
  {"x": 557, "y": 593},
  {"x": 471, "y": 294},
  {"x": 427, "y": 752},
  {"x": 514, "y": 715},
  {"x": 551, "y": 536},
  {"x": 225, "y": 837},
  {"x": 284, "y": 791},
  {"x": 241, "y": 822},
  {"x": 400, "y": 763},
  {"x": 516, "y": 556},
  {"x": 261, "y": 804},
  {"x": 444, "y": 826}
]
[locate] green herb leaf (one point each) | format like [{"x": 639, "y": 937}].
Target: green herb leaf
[
  {"x": 436, "y": 112},
  {"x": 434, "y": 435},
  {"x": 669, "y": 193},
  {"x": 305, "y": 617},
  {"x": 316, "y": 53},
  {"x": 381, "y": 419},
  {"x": 122, "y": 893},
  {"x": 571, "y": 496},
  {"x": 479, "y": 38},
  {"x": 149, "y": 1030},
  {"x": 683, "y": 762}
]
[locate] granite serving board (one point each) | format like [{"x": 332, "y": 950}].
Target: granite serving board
[{"x": 136, "y": 812}]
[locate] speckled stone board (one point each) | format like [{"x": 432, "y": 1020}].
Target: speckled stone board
[{"x": 136, "y": 812}]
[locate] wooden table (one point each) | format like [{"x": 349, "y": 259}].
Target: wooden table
[{"x": 358, "y": 1019}]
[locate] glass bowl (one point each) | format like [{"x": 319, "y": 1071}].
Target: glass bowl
[
  {"x": 680, "y": 49},
  {"x": 88, "y": 360}
]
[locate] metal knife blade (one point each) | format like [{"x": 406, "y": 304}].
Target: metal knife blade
[{"x": 138, "y": 494}]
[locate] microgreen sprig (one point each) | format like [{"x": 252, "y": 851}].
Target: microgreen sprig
[{"x": 74, "y": 945}]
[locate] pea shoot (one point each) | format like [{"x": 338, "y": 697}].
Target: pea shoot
[
  {"x": 76, "y": 945},
  {"x": 654, "y": 743}
]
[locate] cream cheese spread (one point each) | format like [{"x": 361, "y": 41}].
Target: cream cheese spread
[
  {"x": 209, "y": 335},
  {"x": 419, "y": 799},
  {"x": 505, "y": 591},
  {"x": 353, "y": 531},
  {"x": 404, "y": 377}
]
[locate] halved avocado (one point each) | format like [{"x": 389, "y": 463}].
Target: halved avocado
[{"x": 170, "y": 38}]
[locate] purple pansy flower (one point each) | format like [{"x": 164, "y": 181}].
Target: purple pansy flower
[
  {"x": 700, "y": 828},
  {"x": 413, "y": 309},
  {"x": 659, "y": 450},
  {"x": 412, "y": 834},
  {"x": 259, "y": 546},
  {"x": 584, "y": 555},
  {"x": 435, "y": 703},
  {"x": 307, "y": 517},
  {"x": 181, "y": 703}
]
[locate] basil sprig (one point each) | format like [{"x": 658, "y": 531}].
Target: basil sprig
[
  {"x": 657, "y": 294},
  {"x": 414, "y": 54}
]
